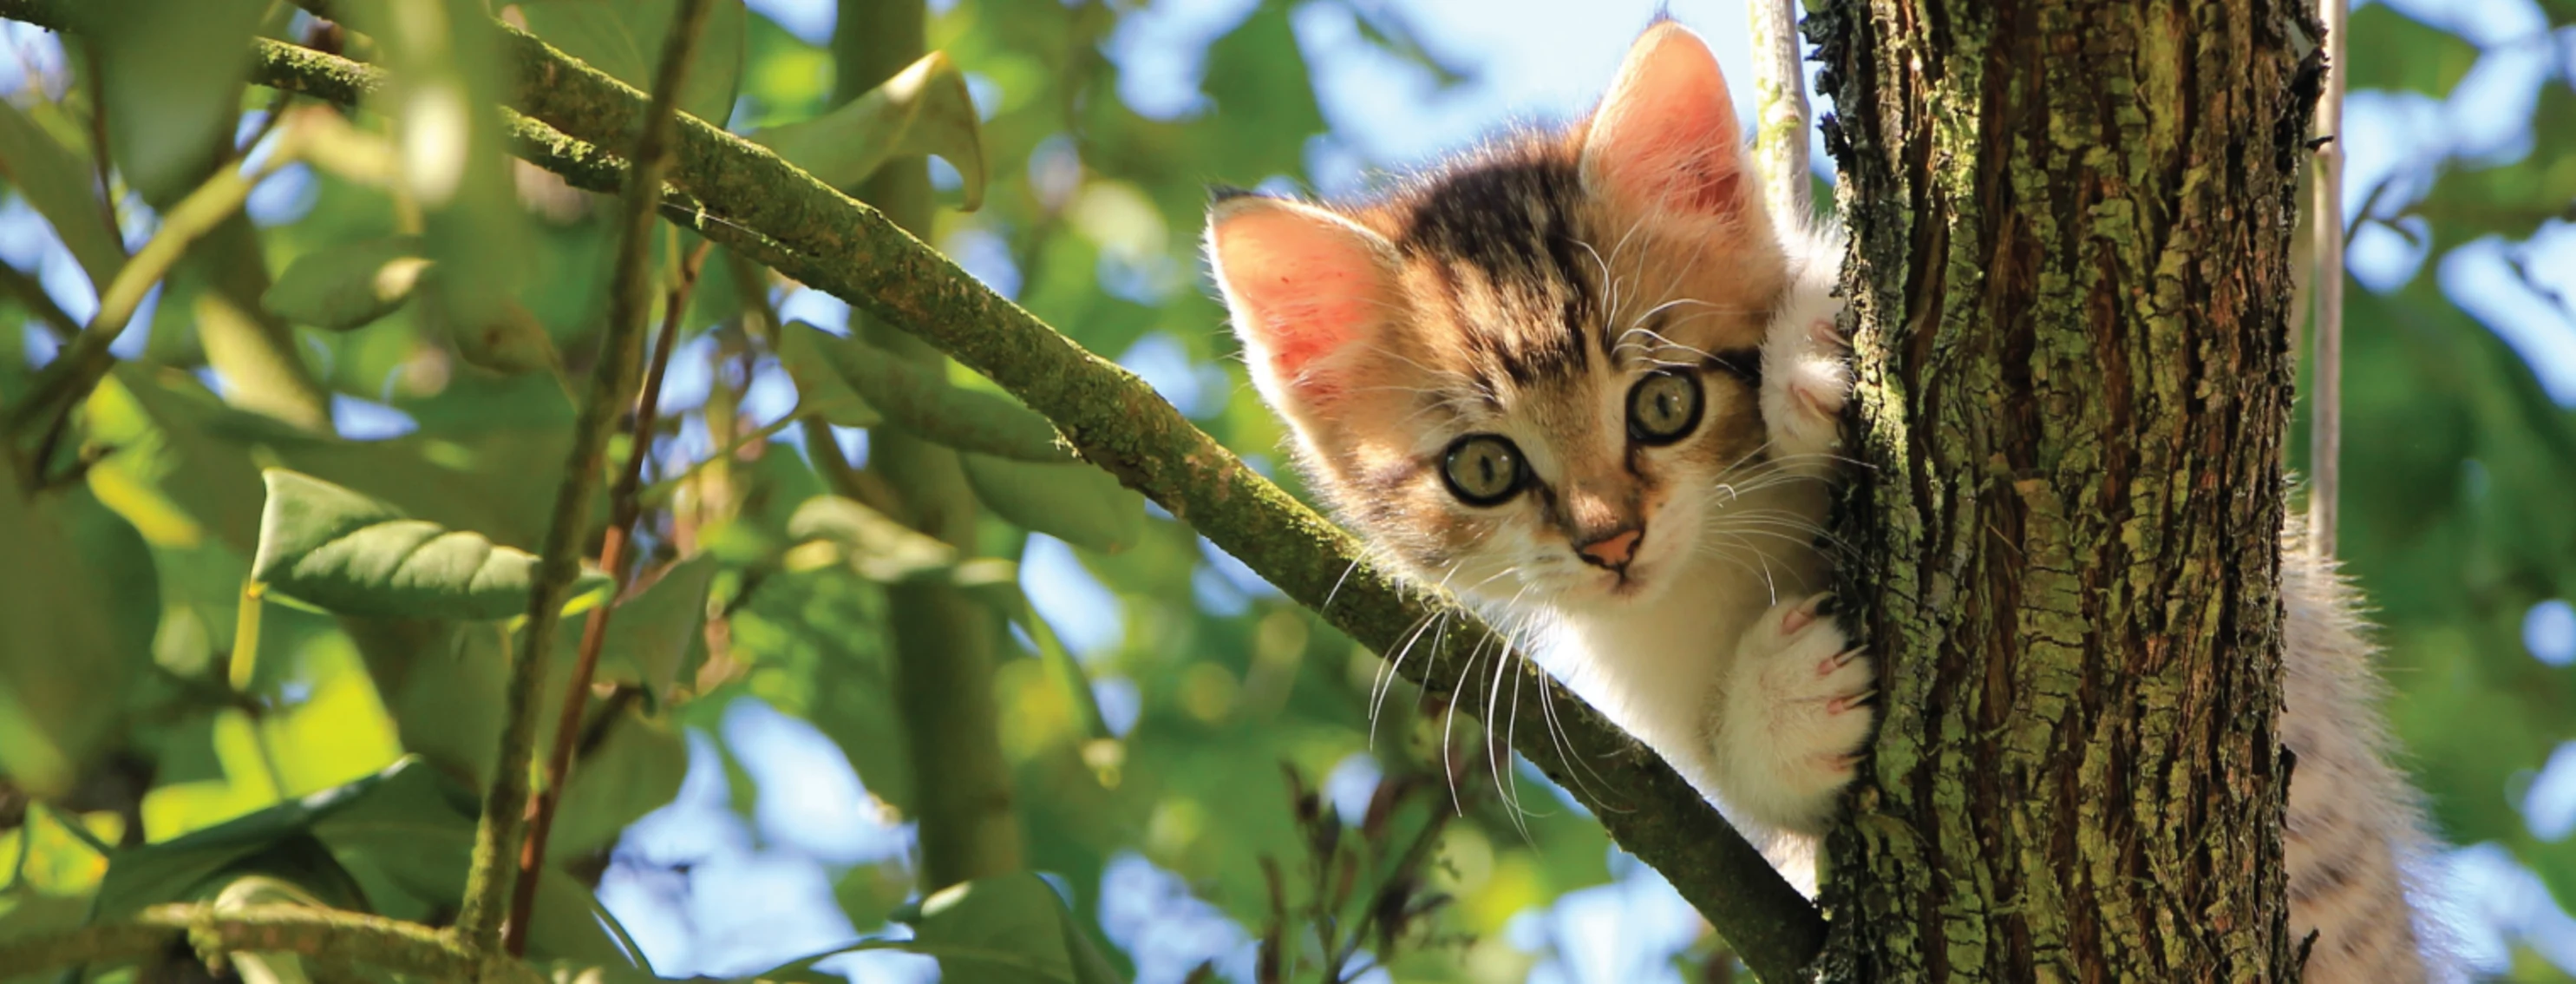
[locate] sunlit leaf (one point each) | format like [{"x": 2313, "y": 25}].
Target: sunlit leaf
[
  {"x": 917, "y": 400},
  {"x": 351, "y": 554},
  {"x": 350, "y": 286},
  {"x": 1078, "y": 504},
  {"x": 924, "y": 109},
  {"x": 883, "y": 550}
]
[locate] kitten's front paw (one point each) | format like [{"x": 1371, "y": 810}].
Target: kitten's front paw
[
  {"x": 1795, "y": 716},
  {"x": 1805, "y": 382}
]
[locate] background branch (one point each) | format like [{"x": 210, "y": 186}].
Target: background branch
[
  {"x": 2325, "y": 366},
  {"x": 1780, "y": 110},
  {"x": 944, "y": 641}
]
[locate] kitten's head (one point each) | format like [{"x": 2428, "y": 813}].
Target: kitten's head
[{"x": 1528, "y": 375}]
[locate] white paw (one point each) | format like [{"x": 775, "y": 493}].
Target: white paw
[
  {"x": 1805, "y": 382},
  {"x": 1795, "y": 717}
]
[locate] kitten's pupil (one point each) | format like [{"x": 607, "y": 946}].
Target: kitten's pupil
[
  {"x": 1482, "y": 469},
  {"x": 1663, "y": 406}
]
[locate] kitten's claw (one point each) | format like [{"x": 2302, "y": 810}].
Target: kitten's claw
[
  {"x": 1805, "y": 381},
  {"x": 1796, "y": 714},
  {"x": 1805, "y": 612}
]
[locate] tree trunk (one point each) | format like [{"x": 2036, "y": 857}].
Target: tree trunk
[{"x": 2072, "y": 226}]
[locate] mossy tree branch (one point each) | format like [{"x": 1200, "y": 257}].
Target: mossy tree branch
[
  {"x": 323, "y": 933},
  {"x": 745, "y": 197}
]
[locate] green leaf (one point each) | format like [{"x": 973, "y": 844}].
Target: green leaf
[
  {"x": 182, "y": 867},
  {"x": 624, "y": 39},
  {"x": 1011, "y": 929},
  {"x": 883, "y": 550},
  {"x": 635, "y": 770},
  {"x": 174, "y": 73},
  {"x": 2389, "y": 50},
  {"x": 819, "y": 387},
  {"x": 353, "y": 555},
  {"x": 1078, "y": 504},
  {"x": 506, "y": 338},
  {"x": 64, "y": 189},
  {"x": 488, "y": 458},
  {"x": 337, "y": 288},
  {"x": 77, "y": 610},
  {"x": 404, "y": 836},
  {"x": 924, "y": 109},
  {"x": 1060, "y": 664},
  {"x": 917, "y": 400},
  {"x": 649, "y": 634}
]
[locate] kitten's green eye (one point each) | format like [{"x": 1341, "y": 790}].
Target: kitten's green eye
[
  {"x": 1482, "y": 469},
  {"x": 1663, "y": 406}
]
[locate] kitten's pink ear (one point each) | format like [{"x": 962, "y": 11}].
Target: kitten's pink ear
[
  {"x": 1665, "y": 139},
  {"x": 1310, "y": 293}
]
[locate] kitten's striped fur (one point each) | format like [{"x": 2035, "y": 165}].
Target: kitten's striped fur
[{"x": 1523, "y": 292}]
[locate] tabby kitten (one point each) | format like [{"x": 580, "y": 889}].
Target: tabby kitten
[{"x": 1584, "y": 381}]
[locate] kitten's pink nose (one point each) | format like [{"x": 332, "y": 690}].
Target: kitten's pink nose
[{"x": 1614, "y": 550}]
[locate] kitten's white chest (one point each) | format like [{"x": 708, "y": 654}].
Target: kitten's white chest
[{"x": 1657, "y": 669}]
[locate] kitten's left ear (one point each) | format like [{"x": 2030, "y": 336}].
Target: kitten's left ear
[{"x": 1665, "y": 139}]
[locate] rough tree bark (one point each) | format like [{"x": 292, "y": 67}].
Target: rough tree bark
[{"x": 2072, "y": 227}]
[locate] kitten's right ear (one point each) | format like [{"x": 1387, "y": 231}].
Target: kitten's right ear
[
  {"x": 1665, "y": 139},
  {"x": 1311, "y": 294}
]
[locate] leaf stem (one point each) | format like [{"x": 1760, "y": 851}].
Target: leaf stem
[
  {"x": 624, "y": 508},
  {"x": 488, "y": 883}
]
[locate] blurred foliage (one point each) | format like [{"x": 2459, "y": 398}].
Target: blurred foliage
[{"x": 171, "y": 727}]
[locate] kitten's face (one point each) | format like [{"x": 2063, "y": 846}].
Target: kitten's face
[{"x": 1528, "y": 377}]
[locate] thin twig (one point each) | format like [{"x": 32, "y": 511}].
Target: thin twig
[
  {"x": 661, "y": 491},
  {"x": 98, "y": 139},
  {"x": 488, "y": 883},
  {"x": 624, "y": 507},
  {"x": 29, "y": 291},
  {"x": 2325, "y": 408}
]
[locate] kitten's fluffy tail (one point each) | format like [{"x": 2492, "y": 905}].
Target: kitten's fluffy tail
[{"x": 2359, "y": 851}]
